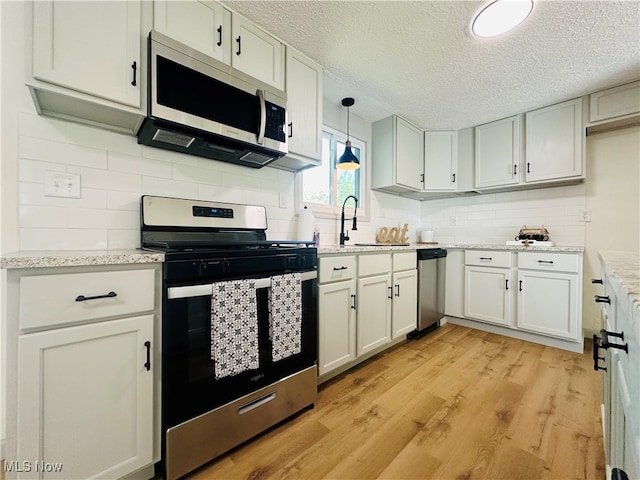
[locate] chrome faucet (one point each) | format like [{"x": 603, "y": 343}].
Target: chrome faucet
[{"x": 343, "y": 236}]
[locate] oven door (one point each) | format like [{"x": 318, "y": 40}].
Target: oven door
[{"x": 189, "y": 385}]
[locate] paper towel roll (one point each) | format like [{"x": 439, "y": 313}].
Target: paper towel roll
[{"x": 305, "y": 225}]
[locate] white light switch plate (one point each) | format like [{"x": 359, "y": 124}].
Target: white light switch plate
[{"x": 60, "y": 184}]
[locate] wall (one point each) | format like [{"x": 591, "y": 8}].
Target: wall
[
  {"x": 613, "y": 196},
  {"x": 497, "y": 217}
]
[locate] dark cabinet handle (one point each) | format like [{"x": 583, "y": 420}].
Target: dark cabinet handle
[
  {"x": 339, "y": 268},
  {"x": 520, "y": 286},
  {"x": 596, "y": 348},
  {"x": 515, "y": 169},
  {"x": 485, "y": 258},
  {"x": 82, "y": 298},
  {"x": 353, "y": 304},
  {"x": 239, "y": 41},
  {"x": 546, "y": 261},
  {"x": 134, "y": 66},
  {"x": 528, "y": 167},
  {"x": 618, "y": 474},
  {"x": 390, "y": 291},
  {"x": 422, "y": 178},
  {"x": 603, "y": 299},
  {"x": 605, "y": 343},
  {"x": 290, "y": 129},
  {"x": 506, "y": 284},
  {"x": 454, "y": 178},
  {"x": 147, "y": 364},
  {"x": 397, "y": 289},
  {"x": 219, "y": 36},
  {"x": 596, "y": 280}
]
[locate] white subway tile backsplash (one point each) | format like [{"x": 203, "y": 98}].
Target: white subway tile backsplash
[
  {"x": 248, "y": 181},
  {"x": 62, "y": 239},
  {"x": 30, "y": 125},
  {"x": 119, "y": 162},
  {"x": 169, "y": 188},
  {"x": 123, "y": 239},
  {"x": 94, "y": 137},
  {"x": 34, "y": 170},
  {"x": 123, "y": 201},
  {"x": 33, "y": 194},
  {"x": 188, "y": 173},
  {"x": 108, "y": 180},
  {"x": 169, "y": 156},
  {"x": 58, "y": 152},
  {"x": 32, "y": 216},
  {"x": 90, "y": 218},
  {"x": 220, "y": 194}
]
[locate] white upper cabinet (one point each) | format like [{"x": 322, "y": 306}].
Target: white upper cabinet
[
  {"x": 498, "y": 152},
  {"x": 615, "y": 102},
  {"x": 440, "y": 160},
  {"x": 554, "y": 142},
  {"x": 89, "y": 47},
  {"x": 257, "y": 53},
  {"x": 304, "y": 100},
  {"x": 210, "y": 28},
  {"x": 397, "y": 156},
  {"x": 202, "y": 25}
]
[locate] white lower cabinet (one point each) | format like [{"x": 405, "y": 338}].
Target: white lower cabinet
[
  {"x": 337, "y": 317},
  {"x": 84, "y": 363},
  {"x": 534, "y": 295},
  {"x": 85, "y": 398},
  {"x": 362, "y": 313},
  {"x": 374, "y": 312},
  {"x": 487, "y": 295},
  {"x": 537, "y": 291}
]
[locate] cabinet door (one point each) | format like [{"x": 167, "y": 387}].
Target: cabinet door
[
  {"x": 337, "y": 325},
  {"x": 257, "y": 53},
  {"x": 548, "y": 303},
  {"x": 409, "y": 155},
  {"x": 374, "y": 312},
  {"x": 498, "y": 153},
  {"x": 487, "y": 294},
  {"x": 304, "y": 100},
  {"x": 202, "y": 25},
  {"x": 85, "y": 398},
  {"x": 554, "y": 142},
  {"x": 90, "y": 47},
  {"x": 440, "y": 160},
  {"x": 405, "y": 303}
]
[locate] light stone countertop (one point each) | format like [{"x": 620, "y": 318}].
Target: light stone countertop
[
  {"x": 624, "y": 269},
  {"x": 61, "y": 258},
  {"x": 337, "y": 249}
]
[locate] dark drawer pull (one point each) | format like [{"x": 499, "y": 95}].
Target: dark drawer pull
[
  {"x": 82, "y": 298},
  {"x": 506, "y": 284},
  {"x": 390, "y": 291},
  {"x": 485, "y": 258},
  {"x": 147, "y": 364},
  {"x": 596, "y": 280},
  {"x": 603, "y": 299},
  {"x": 353, "y": 305},
  {"x": 545, "y": 261},
  {"x": 605, "y": 343},
  {"x": 339, "y": 268},
  {"x": 596, "y": 357}
]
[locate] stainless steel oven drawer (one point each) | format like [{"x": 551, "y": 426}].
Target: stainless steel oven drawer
[{"x": 201, "y": 439}]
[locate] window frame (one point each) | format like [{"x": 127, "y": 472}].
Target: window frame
[{"x": 334, "y": 211}]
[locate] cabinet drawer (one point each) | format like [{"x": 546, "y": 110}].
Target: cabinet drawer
[
  {"x": 375, "y": 264},
  {"x": 404, "y": 261},
  {"x": 333, "y": 269},
  {"x": 487, "y": 258},
  {"x": 50, "y": 300},
  {"x": 560, "y": 262}
]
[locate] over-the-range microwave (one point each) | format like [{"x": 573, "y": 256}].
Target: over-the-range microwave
[{"x": 200, "y": 106}]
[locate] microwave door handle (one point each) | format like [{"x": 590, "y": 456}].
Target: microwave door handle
[{"x": 263, "y": 116}]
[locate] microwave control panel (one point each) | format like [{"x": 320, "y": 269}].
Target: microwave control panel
[{"x": 276, "y": 122}]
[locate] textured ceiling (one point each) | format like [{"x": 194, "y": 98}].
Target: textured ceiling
[{"x": 419, "y": 60}]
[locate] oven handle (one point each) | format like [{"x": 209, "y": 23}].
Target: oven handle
[{"x": 207, "y": 289}]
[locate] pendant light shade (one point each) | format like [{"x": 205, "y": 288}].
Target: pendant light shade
[{"x": 348, "y": 161}]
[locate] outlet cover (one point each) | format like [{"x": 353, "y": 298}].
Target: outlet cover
[
  {"x": 60, "y": 184},
  {"x": 585, "y": 215},
  {"x": 283, "y": 200},
  {"x": 453, "y": 220}
]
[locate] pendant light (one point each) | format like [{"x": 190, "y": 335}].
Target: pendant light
[{"x": 348, "y": 161}]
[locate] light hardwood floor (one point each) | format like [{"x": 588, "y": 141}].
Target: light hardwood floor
[{"x": 455, "y": 404}]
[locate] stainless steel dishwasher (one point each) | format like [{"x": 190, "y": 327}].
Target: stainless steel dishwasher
[{"x": 431, "y": 284}]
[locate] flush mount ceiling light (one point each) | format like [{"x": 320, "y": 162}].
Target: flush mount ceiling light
[
  {"x": 500, "y": 16},
  {"x": 348, "y": 161}
]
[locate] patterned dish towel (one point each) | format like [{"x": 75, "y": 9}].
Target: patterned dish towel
[
  {"x": 285, "y": 315},
  {"x": 234, "y": 327}
]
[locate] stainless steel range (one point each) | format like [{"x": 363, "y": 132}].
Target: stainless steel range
[{"x": 239, "y": 326}]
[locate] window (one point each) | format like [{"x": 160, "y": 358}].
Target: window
[{"x": 325, "y": 188}]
